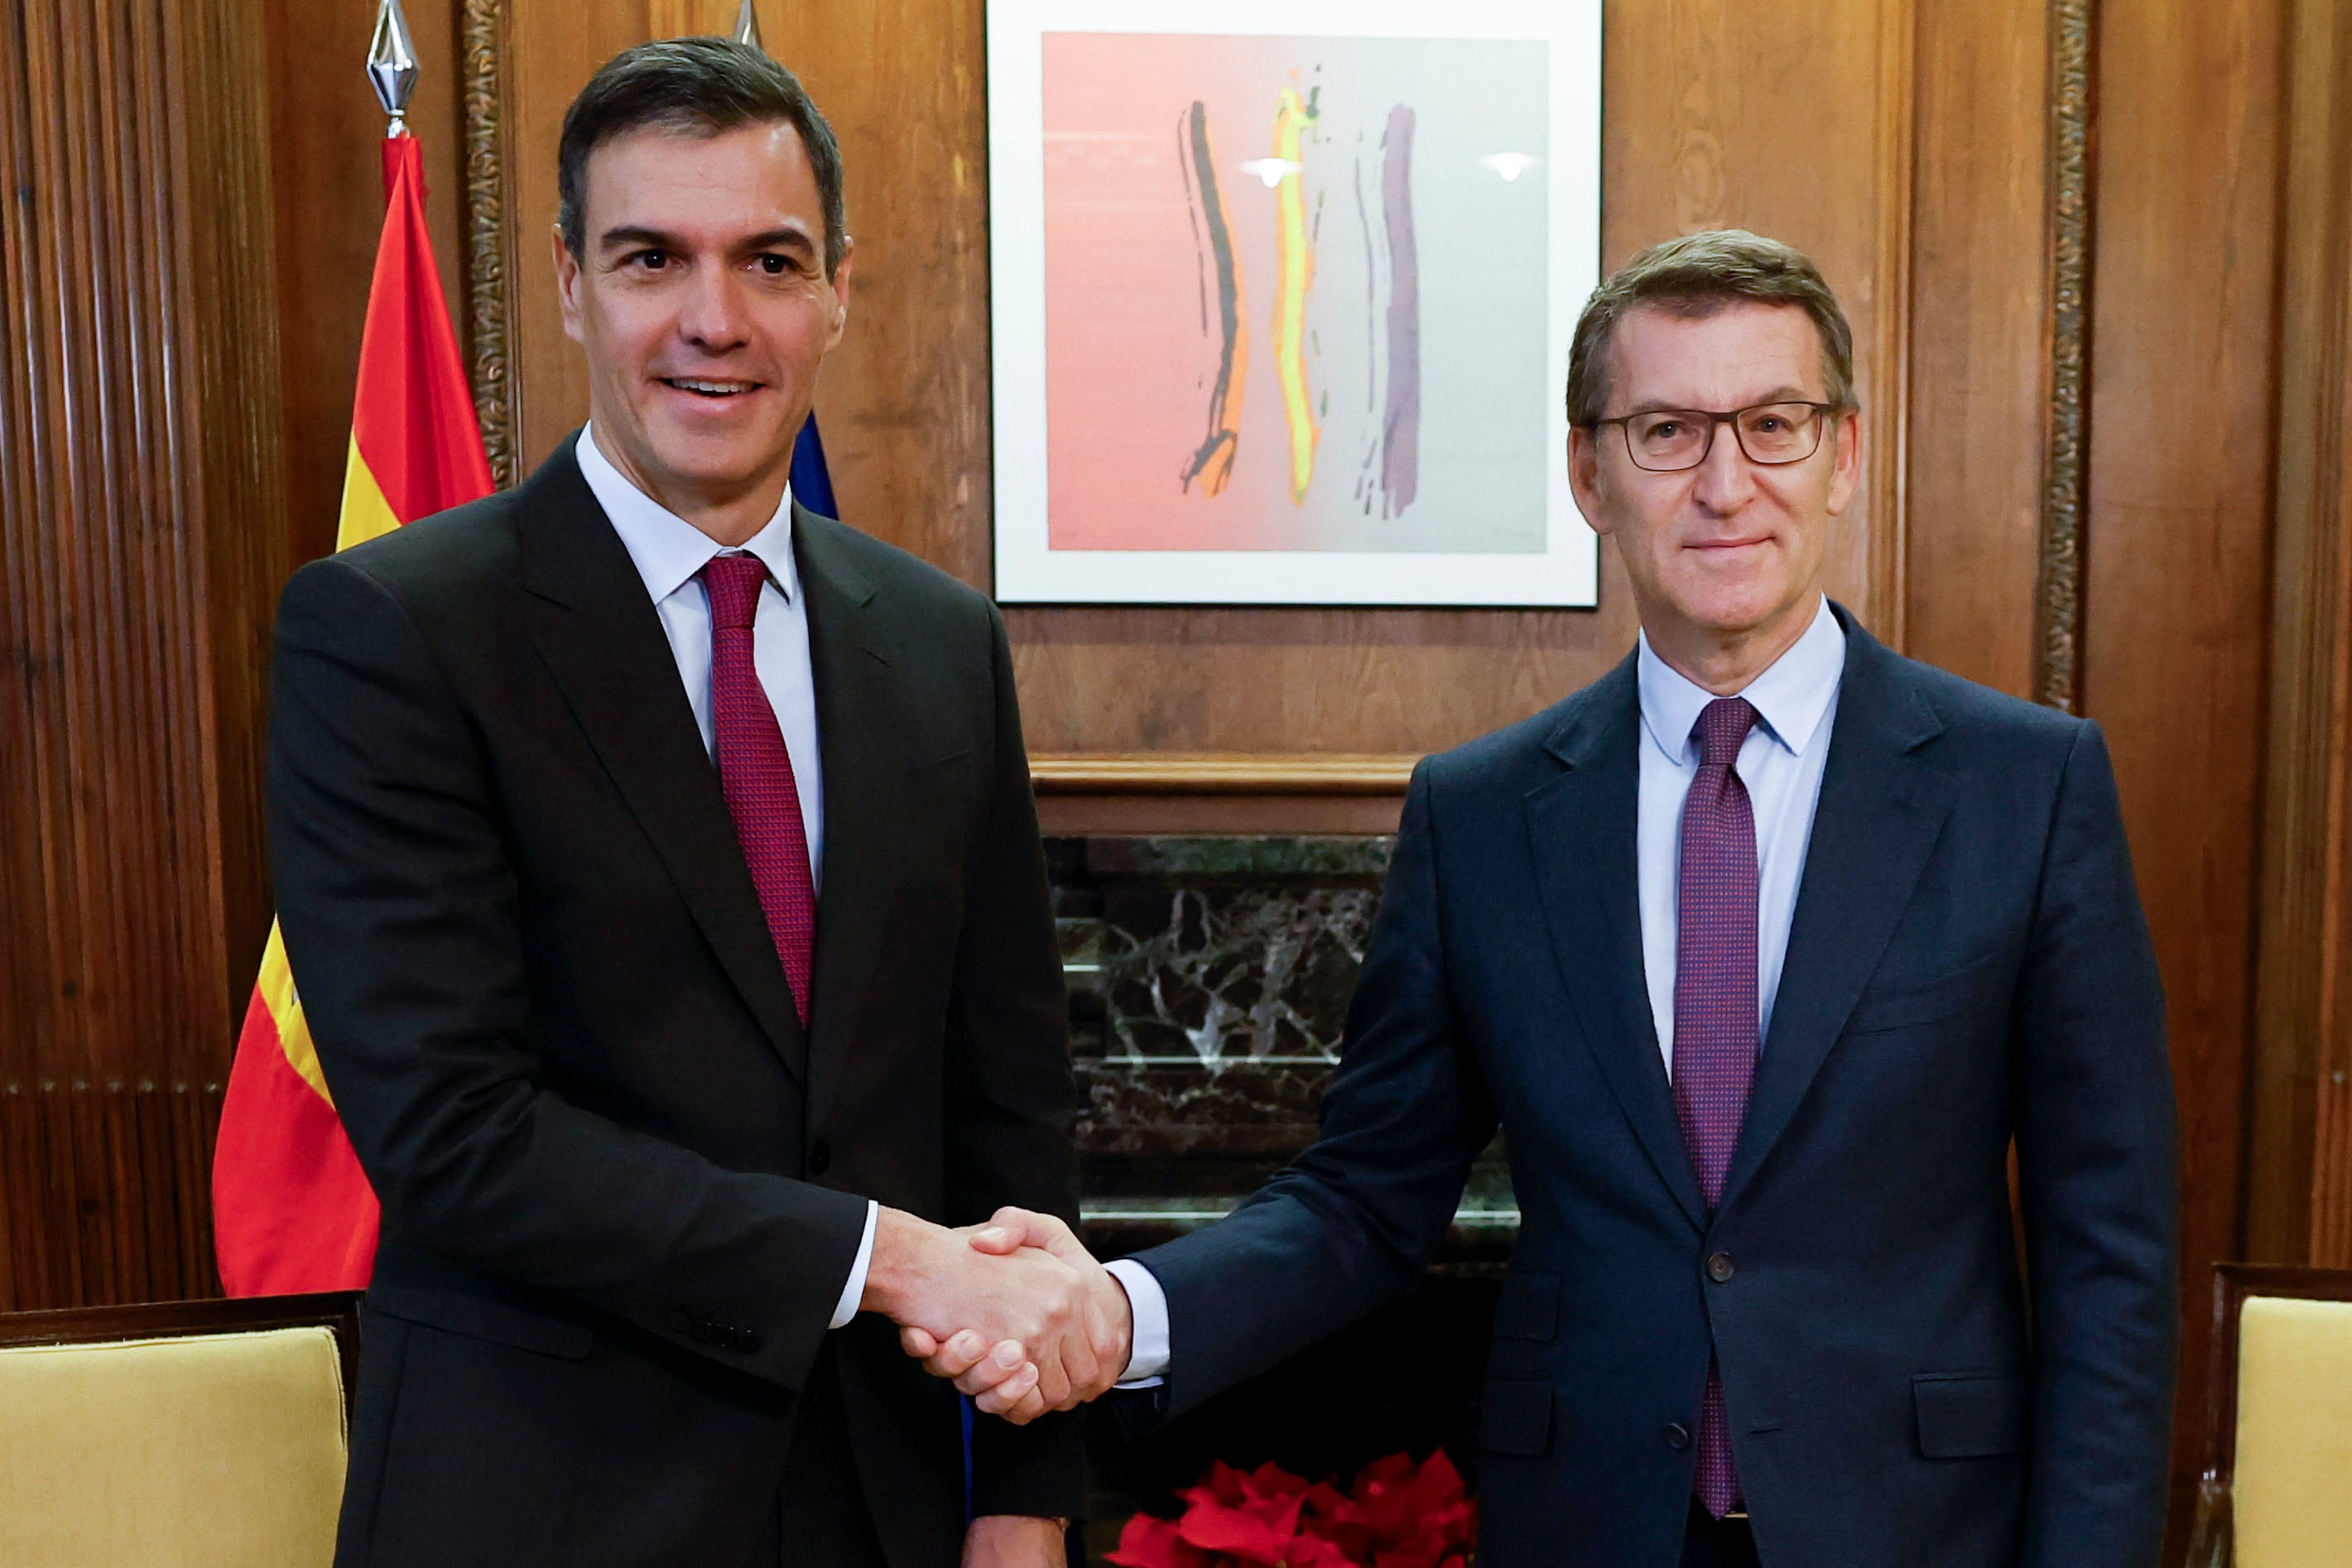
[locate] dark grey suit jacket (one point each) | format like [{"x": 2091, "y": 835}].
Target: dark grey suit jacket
[
  {"x": 621, "y": 1187},
  {"x": 1968, "y": 966}
]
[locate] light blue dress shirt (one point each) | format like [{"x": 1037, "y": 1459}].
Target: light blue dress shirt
[
  {"x": 1780, "y": 763},
  {"x": 670, "y": 554}
]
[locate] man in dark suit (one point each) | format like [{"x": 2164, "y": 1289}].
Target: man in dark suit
[
  {"x": 1763, "y": 951},
  {"x": 659, "y": 868}
]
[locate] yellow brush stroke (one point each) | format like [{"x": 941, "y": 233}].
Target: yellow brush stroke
[
  {"x": 276, "y": 984},
  {"x": 366, "y": 514},
  {"x": 1294, "y": 271}
]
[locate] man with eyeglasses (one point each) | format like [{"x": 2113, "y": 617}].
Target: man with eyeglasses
[{"x": 1764, "y": 950}]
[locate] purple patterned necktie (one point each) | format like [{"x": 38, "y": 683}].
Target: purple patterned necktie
[
  {"x": 755, "y": 771},
  {"x": 1715, "y": 1011}
]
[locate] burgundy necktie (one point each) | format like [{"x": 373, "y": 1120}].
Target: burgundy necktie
[
  {"x": 1716, "y": 1014},
  {"x": 755, "y": 771}
]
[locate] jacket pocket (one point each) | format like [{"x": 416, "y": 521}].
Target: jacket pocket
[
  {"x": 480, "y": 1318},
  {"x": 1882, "y": 1008},
  {"x": 1969, "y": 1415},
  {"x": 1515, "y": 1417},
  {"x": 1527, "y": 1307}
]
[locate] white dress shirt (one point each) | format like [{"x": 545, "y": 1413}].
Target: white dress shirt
[
  {"x": 669, "y": 553},
  {"x": 1780, "y": 763}
]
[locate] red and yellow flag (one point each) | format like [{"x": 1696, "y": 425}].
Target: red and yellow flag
[{"x": 291, "y": 1210}]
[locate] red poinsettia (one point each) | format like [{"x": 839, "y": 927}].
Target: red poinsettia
[{"x": 1397, "y": 1515}]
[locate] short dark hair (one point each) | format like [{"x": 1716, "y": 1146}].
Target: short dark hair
[
  {"x": 1696, "y": 276},
  {"x": 702, "y": 87}
]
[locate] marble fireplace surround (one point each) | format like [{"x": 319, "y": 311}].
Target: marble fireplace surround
[{"x": 1208, "y": 980}]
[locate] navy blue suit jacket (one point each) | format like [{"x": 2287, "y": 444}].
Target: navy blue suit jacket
[{"x": 1968, "y": 966}]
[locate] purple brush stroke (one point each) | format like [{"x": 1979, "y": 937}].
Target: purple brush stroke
[
  {"x": 1400, "y": 422},
  {"x": 1220, "y": 242}
]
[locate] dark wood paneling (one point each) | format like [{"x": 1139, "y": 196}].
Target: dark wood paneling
[
  {"x": 221, "y": 387},
  {"x": 1084, "y": 814},
  {"x": 2299, "y": 1192},
  {"x": 141, "y": 530},
  {"x": 2176, "y": 580},
  {"x": 1980, "y": 277},
  {"x": 105, "y": 1193}
]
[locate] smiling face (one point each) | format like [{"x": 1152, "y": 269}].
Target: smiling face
[
  {"x": 702, "y": 301},
  {"x": 1726, "y": 559}
]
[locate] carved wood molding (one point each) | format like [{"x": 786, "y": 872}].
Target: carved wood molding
[
  {"x": 1892, "y": 292},
  {"x": 488, "y": 298},
  {"x": 2058, "y": 594},
  {"x": 1219, "y": 773}
]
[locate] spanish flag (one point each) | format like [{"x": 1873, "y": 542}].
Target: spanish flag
[{"x": 291, "y": 1210}]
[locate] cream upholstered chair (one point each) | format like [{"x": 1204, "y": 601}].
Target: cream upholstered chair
[
  {"x": 181, "y": 1433},
  {"x": 2277, "y": 1489}
]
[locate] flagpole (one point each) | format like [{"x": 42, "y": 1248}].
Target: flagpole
[
  {"x": 747, "y": 27},
  {"x": 392, "y": 65}
]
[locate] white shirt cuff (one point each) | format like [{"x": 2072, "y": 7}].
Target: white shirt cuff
[
  {"x": 1147, "y": 1305},
  {"x": 853, "y": 1292}
]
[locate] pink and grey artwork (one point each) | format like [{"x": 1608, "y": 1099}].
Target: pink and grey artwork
[{"x": 1296, "y": 293}]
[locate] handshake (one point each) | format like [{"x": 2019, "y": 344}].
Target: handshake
[{"x": 1015, "y": 1310}]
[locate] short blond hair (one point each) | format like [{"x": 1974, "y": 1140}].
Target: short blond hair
[{"x": 1693, "y": 277}]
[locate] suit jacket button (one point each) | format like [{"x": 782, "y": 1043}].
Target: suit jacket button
[
  {"x": 1677, "y": 1435},
  {"x": 819, "y": 1158},
  {"x": 1719, "y": 1268}
]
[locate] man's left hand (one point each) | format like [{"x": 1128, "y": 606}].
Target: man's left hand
[{"x": 1015, "y": 1540}]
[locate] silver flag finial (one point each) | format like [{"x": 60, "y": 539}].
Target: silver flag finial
[
  {"x": 747, "y": 27},
  {"x": 392, "y": 63}
]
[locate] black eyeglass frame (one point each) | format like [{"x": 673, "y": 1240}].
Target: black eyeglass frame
[{"x": 1625, "y": 424}]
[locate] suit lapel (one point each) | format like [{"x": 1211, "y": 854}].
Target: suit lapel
[
  {"x": 860, "y": 734},
  {"x": 1581, "y": 827},
  {"x": 1881, "y": 809},
  {"x": 602, "y": 642}
]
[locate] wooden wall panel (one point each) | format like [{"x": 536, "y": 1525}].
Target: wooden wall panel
[
  {"x": 1979, "y": 358},
  {"x": 141, "y": 531},
  {"x": 2184, "y": 380},
  {"x": 2299, "y": 1177},
  {"x": 105, "y": 1193}
]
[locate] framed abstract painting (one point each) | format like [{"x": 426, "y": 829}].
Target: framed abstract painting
[{"x": 1281, "y": 297}]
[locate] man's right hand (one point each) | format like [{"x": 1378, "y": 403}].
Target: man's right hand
[
  {"x": 997, "y": 1379},
  {"x": 1031, "y": 1329}
]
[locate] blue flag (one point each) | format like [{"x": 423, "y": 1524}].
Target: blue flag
[{"x": 812, "y": 484}]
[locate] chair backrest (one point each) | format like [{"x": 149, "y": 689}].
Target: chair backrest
[
  {"x": 2279, "y": 1419},
  {"x": 183, "y": 1432}
]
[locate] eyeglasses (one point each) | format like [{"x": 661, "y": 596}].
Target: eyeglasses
[{"x": 1667, "y": 440}]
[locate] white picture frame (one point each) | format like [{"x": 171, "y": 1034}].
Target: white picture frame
[{"x": 1533, "y": 553}]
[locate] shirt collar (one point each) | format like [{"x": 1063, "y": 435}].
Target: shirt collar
[
  {"x": 1790, "y": 696},
  {"x": 668, "y": 551}
]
